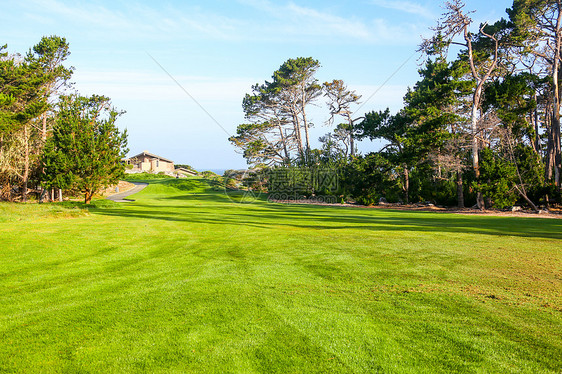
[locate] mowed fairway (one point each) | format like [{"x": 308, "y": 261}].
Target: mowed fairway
[{"x": 185, "y": 280}]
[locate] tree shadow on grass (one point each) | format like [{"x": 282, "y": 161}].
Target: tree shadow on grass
[{"x": 215, "y": 209}]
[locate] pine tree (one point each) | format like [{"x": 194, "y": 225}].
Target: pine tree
[{"x": 86, "y": 148}]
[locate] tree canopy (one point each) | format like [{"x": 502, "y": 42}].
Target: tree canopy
[
  {"x": 34, "y": 101},
  {"x": 86, "y": 149},
  {"x": 480, "y": 127}
]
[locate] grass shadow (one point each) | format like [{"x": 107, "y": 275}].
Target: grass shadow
[{"x": 217, "y": 209}]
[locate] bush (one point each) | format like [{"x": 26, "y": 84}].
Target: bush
[
  {"x": 497, "y": 179},
  {"x": 303, "y": 181},
  {"x": 144, "y": 176},
  {"x": 368, "y": 178}
]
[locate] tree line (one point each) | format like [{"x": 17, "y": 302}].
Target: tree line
[
  {"x": 480, "y": 127},
  {"x": 51, "y": 138}
]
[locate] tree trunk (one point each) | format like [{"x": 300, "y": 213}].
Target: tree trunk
[
  {"x": 44, "y": 194},
  {"x": 549, "y": 156},
  {"x": 307, "y": 138},
  {"x": 284, "y": 141},
  {"x": 460, "y": 190},
  {"x": 44, "y": 129},
  {"x": 297, "y": 129},
  {"x": 305, "y": 122},
  {"x": 88, "y": 196},
  {"x": 25, "y": 163},
  {"x": 351, "y": 139},
  {"x": 556, "y": 155},
  {"x": 536, "y": 121},
  {"x": 555, "y": 125},
  {"x": 49, "y": 91},
  {"x": 406, "y": 184},
  {"x": 523, "y": 194},
  {"x": 476, "y": 97},
  {"x": 307, "y": 145},
  {"x": 60, "y": 195},
  {"x": 475, "y": 159}
]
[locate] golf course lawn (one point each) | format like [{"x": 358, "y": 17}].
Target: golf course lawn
[{"x": 186, "y": 280}]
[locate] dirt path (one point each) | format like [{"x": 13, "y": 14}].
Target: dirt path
[{"x": 120, "y": 197}]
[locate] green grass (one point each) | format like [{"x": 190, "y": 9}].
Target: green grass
[
  {"x": 185, "y": 280},
  {"x": 27, "y": 212}
]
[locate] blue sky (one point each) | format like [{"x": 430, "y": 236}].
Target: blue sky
[{"x": 217, "y": 49}]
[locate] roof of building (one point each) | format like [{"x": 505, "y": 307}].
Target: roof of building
[
  {"x": 186, "y": 171},
  {"x": 148, "y": 154}
]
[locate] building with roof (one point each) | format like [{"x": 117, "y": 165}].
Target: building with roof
[{"x": 149, "y": 162}]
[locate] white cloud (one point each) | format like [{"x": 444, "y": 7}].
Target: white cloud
[
  {"x": 135, "y": 21},
  {"x": 313, "y": 21},
  {"x": 85, "y": 14},
  {"x": 265, "y": 21},
  {"x": 263, "y": 5},
  {"x": 157, "y": 87},
  {"x": 398, "y": 33},
  {"x": 300, "y": 21},
  {"x": 407, "y": 7}
]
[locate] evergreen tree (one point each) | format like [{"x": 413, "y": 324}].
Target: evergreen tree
[
  {"x": 86, "y": 148},
  {"x": 22, "y": 101},
  {"x": 537, "y": 36},
  {"x": 277, "y": 114}
]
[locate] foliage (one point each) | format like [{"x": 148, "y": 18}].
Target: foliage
[
  {"x": 370, "y": 177},
  {"x": 497, "y": 177},
  {"x": 217, "y": 181},
  {"x": 340, "y": 100},
  {"x": 481, "y": 125},
  {"x": 536, "y": 29},
  {"x": 510, "y": 177},
  {"x": 423, "y": 130},
  {"x": 86, "y": 148},
  {"x": 32, "y": 155},
  {"x": 145, "y": 176},
  {"x": 22, "y": 100},
  {"x": 276, "y": 111},
  {"x": 253, "y": 140},
  {"x": 513, "y": 99},
  {"x": 209, "y": 174},
  {"x": 294, "y": 182}
]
